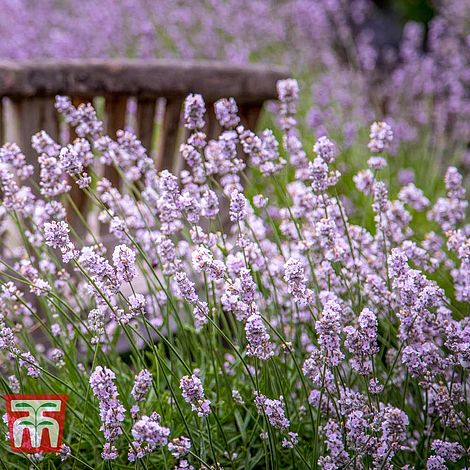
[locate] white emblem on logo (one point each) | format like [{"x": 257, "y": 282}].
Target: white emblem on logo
[{"x": 35, "y": 422}]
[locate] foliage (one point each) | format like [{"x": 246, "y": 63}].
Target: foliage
[{"x": 260, "y": 310}]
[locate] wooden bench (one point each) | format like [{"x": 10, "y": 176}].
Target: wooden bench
[
  {"x": 154, "y": 87},
  {"x": 31, "y": 87}
]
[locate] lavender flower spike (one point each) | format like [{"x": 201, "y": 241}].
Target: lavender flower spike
[{"x": 193, "y": 393}]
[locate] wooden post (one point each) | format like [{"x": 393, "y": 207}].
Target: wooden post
[
  {"x": 115, "y": 119},
  {"x": 213, "y": 127},
  {"x": 78, "y": 196},
  {"x": 249, "y": 115},
  {"x": 2, "y": 122},
  {"x": 30, "y": 115},
  {"x": 169, "y": 135},
  {"x": 115, "y": 110},
  {"x": 146, "y": 121}
]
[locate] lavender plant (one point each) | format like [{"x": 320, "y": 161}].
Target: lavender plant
[
  {"x": 415, "y": 78},
  {"x": 208, "y": 324}
]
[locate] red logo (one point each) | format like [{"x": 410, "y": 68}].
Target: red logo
[{"x": 35, "y": 422}]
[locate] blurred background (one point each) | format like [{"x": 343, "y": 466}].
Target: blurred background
[
  {"x": 404, "y": 61},
  {"x": 235, "y": 30}
]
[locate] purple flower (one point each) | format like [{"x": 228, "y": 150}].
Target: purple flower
[
  {"x": 291, "y": 440},
  {"x": 11, "y": 155},
  {"x": 328, "y": 328},
  {"x": 20, "y": 199},
  {"x": 7, "y": 339},
  {"x": 42, "y": 142},
  {"x": 364, "y": 181},
  {"x": 273, "y": 409},
  {"x": 326, "y": 231},
  {"x": 187, "y": 291},
  {"x": 124, "y": 262},
  {"x": 288, "y": 92},
  {"x": 376, "y": 163},
  {"x": 209, "y": 204},
  {"x": 56, "y": 235},
  {"x": 136, "y": 304},
  {"x": 381, "y": 202},
  {"x": 191, "y": 155},
  {"x": 226, "y": 112},
  {"x": 325, "y": 149},
  {"x": 111, "y": 415},
  {"x": 381, "y": 136},
  {"x": 413, "y": 196},
  {"x": 259, "y": 341},
  {"x": 109, "y": 452},
  {"x": 319, "y": 174},
  {"x": 102, "y": 383},
  {"x": 142, "y": 383},
  {"x": 375, "y": 387},
  {"x": 87, "y": 123},
  {"x": 186, "y": 287},
  {"x": 239, "y": 295},
  {"x": 193, "y": 393},
  {"x": 64, "y": 105},
  {"x": 337, "y": 457},
  {"x": 314, "y": 368},
  {"x": 436, "y": 462},
  {"x": 183, "y": 465},
  {"x": 294, "y": 275},
  {"x": 260, "y": 201},
  {"x": 52, "y": 179},
  {"x": 201, "y": 314},
  {"x": 148, "y": 434},
  {"x": 238, "y": 206},
  {"x": 179, "y": 446},
  {"x": 194, "y": 110},
  {"x": 394, "y": 425},
  {"x": 203, "y": 260},
  {"x": 450, "y": 211},
  {"x": 65, "y": 452},
  {"x": 28, "y": 361},
  {"x": 362, "y": 341},
  {"x": 452, "y": 451},
  {"x": 111, "y": 410},
  {"x": 38, "y": 286},
  {"x": 76, "y": 157},
  {"x": 406, "y": 176},
  {"x": 14, "y": 384}
]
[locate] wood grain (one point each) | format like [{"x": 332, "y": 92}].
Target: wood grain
[{"x": 141, "y": 78}]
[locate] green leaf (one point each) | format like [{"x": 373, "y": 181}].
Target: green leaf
[
  {"x": 45, "y": 423},
  {"x": 50, "y": 404},
  {"x": 24, "y": 405},
  {"x": 26, "y": 423},
  {"x": 241, "y": 425}
]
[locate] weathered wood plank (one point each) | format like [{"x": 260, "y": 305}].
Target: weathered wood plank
[
  {"x": 249, "y": 115},
  {"x": 30, "y": 115},
  {"x": 49, "y": 118},
  {"x": 145, "y": 121},
  {"x": 169, "y": 136},
  {"x": 213, "y": 128},
  {"x": 115, "y": 119},
  {"x": 2, "y": 123},
  {"x": 78, "y": 196},
  {"x": 252, "y": 83}
]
